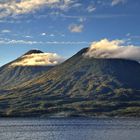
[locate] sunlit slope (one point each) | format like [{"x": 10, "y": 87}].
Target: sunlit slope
[{"x": 23, "y": 69}]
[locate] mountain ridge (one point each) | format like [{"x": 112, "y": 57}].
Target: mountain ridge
[{"x": 78, "y": 87}]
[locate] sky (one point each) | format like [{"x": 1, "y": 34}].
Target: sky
[{"x": 65, "y": 26}]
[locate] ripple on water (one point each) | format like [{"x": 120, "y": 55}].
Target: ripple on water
[{"x": 69, "y": 129}]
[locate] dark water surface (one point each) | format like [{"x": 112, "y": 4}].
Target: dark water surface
[{"x": 69, "y": 129}]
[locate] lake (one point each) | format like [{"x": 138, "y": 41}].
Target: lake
[{"x": 69, "y": 129}]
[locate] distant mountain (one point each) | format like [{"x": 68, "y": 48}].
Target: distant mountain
[
  {"x": 80, "y": 86},
  {"x": 17, "y": 71}
]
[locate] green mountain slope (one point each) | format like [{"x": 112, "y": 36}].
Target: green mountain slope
[
  {"x": 14, "y": 76},
  {"x": 78, "y": 87}
]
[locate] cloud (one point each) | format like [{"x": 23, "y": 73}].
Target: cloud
[
  {"x": 67, "y": 42},
  {"x": 95, "y": 16},
  {"x": 82, "y": 19},
  {"x": 28, "y": 36},
  {"x": 46, "y": 34},
  {"x": 132, "y": 36},
  {"x": 91, "y": 8},
  {"x": 43, "y": 34},
  {"x": 113, "y": 49},
  {"x": 52, "y": 35},
  {"x": 5, "y": 31},
  {"x": 128, "y": 34},
  {"x": 77, "y": 5},
  {"x": 74, "y": 28},
  {"x": 116, "y": 2},
  {"x": 40, "y": 59},
  {"x": 65, "y": 4},
  {"x": 15, "y": 7},
  {"x": 18, "y": 7},
  {"x": 6, "y": 41}
]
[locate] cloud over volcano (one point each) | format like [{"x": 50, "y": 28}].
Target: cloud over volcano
[
  {"x": 40, "y": 59},
  {"x": 113, "y": 49}
]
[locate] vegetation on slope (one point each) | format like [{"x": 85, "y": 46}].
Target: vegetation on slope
[{"x": 78, "y": 87}]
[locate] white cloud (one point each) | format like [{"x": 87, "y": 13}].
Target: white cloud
[
  {"x": 82, "y": 19},
  {"x": 52, "y": 35},
  {"x": 17, "y": 7},
  {"x": 74, "y": 28},
  {"x": 133, "y": 36},
  {"x": 67, "y": 42},
  {"x": 113, "y": 49},
  {"x": 65, "y": 4},
  {"x": 128, "y": 34},
  {"x": 39, "y": 59},
  {"x": 6, "y": 41},
  {"x": 91, "y": 8},
  {"x": 116, "y": 2},
  {"x": 46, "y": 34},
  {"x": 28, "y": 36},
  {"x": 43, "y": 34},
  {"x": 5, "y": 31},
  {"x": 77, "y": 5}
]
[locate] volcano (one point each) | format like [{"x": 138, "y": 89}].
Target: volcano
[{"x": 80, "y": 86}]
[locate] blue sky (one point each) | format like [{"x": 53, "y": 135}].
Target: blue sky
[{"x": 65, "y": 26}]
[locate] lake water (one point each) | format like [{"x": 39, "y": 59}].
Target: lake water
[{"x": 69, "y": 129}]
